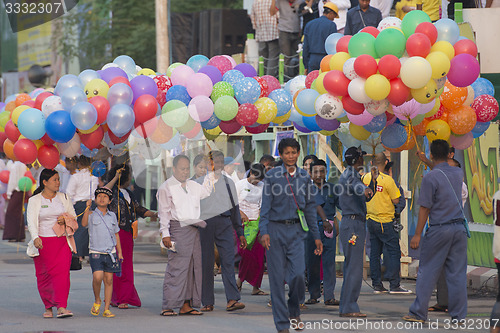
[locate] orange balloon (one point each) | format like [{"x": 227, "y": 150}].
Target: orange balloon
[
  {"x": 163, "y": 133},
  {"x": 420, "y": 128},
  {"x": 453, "y": 97},
  {"x": 325, "y": 63},
  {"x": 21, "y": 98},
  {"x": 445, "y": 114},
  {"x": 10, "y": 106},
  {"x": 462, "y": 120},
  {"x": 8, "y": 149},
  {"x": 410, "y": 141}
]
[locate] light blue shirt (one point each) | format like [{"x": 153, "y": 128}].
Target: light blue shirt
[
  {"x": 352, "y": 197},
  {"x": 102, "y": 230}
]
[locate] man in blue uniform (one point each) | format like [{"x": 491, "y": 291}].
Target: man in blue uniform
[
  {"x": 361, "y": 16},
  {"x": 287, "y": 188},
  {"x": 315, "y": 34},
  {"x": 444, "y": 245},
  {"x": 353, "y": 200}
]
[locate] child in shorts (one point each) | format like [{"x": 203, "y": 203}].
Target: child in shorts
[{"x": 104, "y": 248}]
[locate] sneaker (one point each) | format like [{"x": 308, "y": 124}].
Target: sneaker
[
  {"x": 400, "y": 290},
  {"x": 270, "y": 304},
  {"x": 379, "y": 290}
]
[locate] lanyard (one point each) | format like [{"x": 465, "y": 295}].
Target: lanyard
[{"x": 286, "y": 176}]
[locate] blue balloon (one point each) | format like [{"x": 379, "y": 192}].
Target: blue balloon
[
  {"x": 67, "y": 81},
  {"x": 197, "y": 61},
  {"x": 87, "y": 152},
  {"x": 232, "y": 76},
  {"x": 178, "y": 92},
  {"x": 211, "y": 123},
  {"x": 480, "y": 127},
  {"x": 247, "y": 90},
  {"x": 83, "y": 115},
  {"x": 98, "y": 168},
  {"x": 88, "y": 75},
  {"x": 477, "y": 135},
  {"x": 126, "y": 63},
  {"x": 120, "y": 119},
  {"x": 59, "y": 127},
  {"x": 283, "y": 101},
  {"x": 331, "y": 42},
  {"x": 377, "y": 124},
  {"x": 72, "y": 96},
  {"x": 483, "y": 86},
  {"x": 305, "y": 101},
  {"x": 311, "y": 124},
  {"x": 448, "y": 30},
  {"x": 394, "y": 136},
  {"x": 31, "y": 124}
]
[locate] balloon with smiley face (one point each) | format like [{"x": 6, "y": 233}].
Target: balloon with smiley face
[
  {"x": 425, "y": 94},
  {"x": 96, "y": 87}
]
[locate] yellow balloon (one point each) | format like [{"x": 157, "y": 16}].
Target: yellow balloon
[
  {"x": 434, "y": 109},
  {"x": 440, "y": 64},
  {"x": 283, "y": 118},
  {"x": 212, "y": 134},
  {"x": 377, "y": 87},
  {"x": 313, "y": 84},
  {"x": 146, "y": 71},
  {"x": 33, "y": 187},
  {"x": 38, "y": 143},
  {"x": 338, "y": 59},
  {"x": 425, "y": 94},
  {"x": 93, "y": 129},
  {"x": 470, "y": 96},
  {"x": 440, "y": 91},
  {"x": 437, "y": 129},
  {"x": 444, "y": 47},
  {"x": 267, "y": 110},
  {"x": 344, "y": 119},
  {"x": 96, "y": 87},
  {"x": 14, "y": 116},
  {"x": 327, "y": 133},
  {"x": 358, "y": 132},
  {"x": 318, "y": 86}
]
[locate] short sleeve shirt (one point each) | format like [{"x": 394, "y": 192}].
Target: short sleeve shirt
[
  {"x": 289, "y": 20},
  {"x": 380, "y": 208},
  {"x": 102, "y": 230},
  {"x": 49, "y": 212}
]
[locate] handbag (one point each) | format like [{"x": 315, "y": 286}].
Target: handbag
[
  {"x": 76, "y": 264},
  {"x": 250, "y": 231}
]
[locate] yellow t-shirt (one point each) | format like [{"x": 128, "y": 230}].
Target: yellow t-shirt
[
  {"x": 431, "y": 7},
  {"x": 400, "y": 14},
  {"x": 380, "y": 208}
]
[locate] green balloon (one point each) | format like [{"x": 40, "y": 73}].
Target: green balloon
[
  {"x": 4, "y": 118},
  {"x": 411, "y": 20},
  {"x": 390, "y": 41},
  {"x": 226, "y": 108},
  {"x": 175, "y": 113},
  {"x": 362, "y": 43},
  {"x": 172, "y": 67},
  {"x": 221, "y": 88},
  {"x": 25, "y": 184}
]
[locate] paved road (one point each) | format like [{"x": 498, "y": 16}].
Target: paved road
[{"x": 21, "y": 308}]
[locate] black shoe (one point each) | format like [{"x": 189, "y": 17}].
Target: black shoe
[{"x": 379, "y": 290}]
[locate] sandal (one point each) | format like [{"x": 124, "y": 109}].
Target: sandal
[
  {"x": 260, "y": 293},
  {"x": 235, "y": 306},
  {"x": 96, "y": 309},
  {"x": 123, "y": 306},
  {"x": 66, "y": 314},
  {"x": 332, "y": 301},
  {"x": 207, "y": 308},
  {"x": 312, "y": 301},
  {"x": 48, "y": 313},
  {"x": 192, "y": 312},
  {"x": 107, "y": 314},
  {"x": 438, "y": 308},
  {"x": 168, "y": 313}
]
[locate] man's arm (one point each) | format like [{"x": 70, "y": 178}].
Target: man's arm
[
  {"x": 264, "y": 213},
  {"x": 305, "y": 49},
  {"x": 273, "y": 10},
  {"x": 423, "y": 214},
  {"x": 348, "y": 24}
]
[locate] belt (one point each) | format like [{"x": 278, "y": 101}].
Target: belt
[
  {"x": 455, "y": 221},
  {"x": 354, "y": 217},
  {"x": 292, "y": 221}
]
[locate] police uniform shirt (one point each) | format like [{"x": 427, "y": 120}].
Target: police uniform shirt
[{"x": 352, "y": 199}]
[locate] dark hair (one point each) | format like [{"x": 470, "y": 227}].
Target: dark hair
[
  {"x": 84, "y": 161},
  {"x": 440, "y": 150},
  {"x": 178, "y": 158},
  {"x": 215, "y": 153},
  {"x": 198, "y": 159},
  {"x": 124, "y": 175},
  {"x": 46, "y": 174},
  {"x": 327, "y": 10},
  {"x": 266, "y": 158},
  {"x": 247, "y": 165},
  {"x": 309, "y": 157},
  {"x": 317, "y": 162},
  {"x": 388, "y": 166},
  {"x": 258, "y": 170},
  {"x": 288, "y": 142}
]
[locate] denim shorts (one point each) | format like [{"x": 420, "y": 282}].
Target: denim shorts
[{"x": 103, "y": 262}]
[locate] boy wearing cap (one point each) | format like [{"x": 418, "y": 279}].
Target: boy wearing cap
[
  {"x": 352, "y": 231},
  {"x": 315, "y": 34},
  {"x": 104, "y": 248}
]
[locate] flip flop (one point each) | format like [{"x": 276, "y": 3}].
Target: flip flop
[
  {"x": 192, "y": 312},
  {"x": 107, "y": 314},
  {"x": 260, "y": 293},
  {"x": 332, "y": 302},
  {"x": 48, "y": 315},
  {"x": 96, "y": 308},
  {"x": 168, "y": 313},
  {"x": 438, "y": 308},
  {"x": 123, "y": 306},
  {"x": 235, "y": 306},
  {"x": 311, "y": 301},
  {"x": 65, "y": 314},
  {"x": 207, "y": 308}
]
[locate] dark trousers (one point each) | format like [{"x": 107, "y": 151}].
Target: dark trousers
[
  {"x": 289, "y": 44},
  {"x": 270, "y": 50}
]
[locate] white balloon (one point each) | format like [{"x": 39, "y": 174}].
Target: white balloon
[
  {"x": 357, "y": 92},
  {"x": 70, "y": 148},
  {"x": 51, "y": 104},
  {"x": 348, "y": 69},
  {"x": 328, "y": 106},
  {"x": 389, "y": 22},
  {"x": 376, "y": 108}
]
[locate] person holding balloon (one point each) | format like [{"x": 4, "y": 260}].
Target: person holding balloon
[{"x": 14, "y": 222}]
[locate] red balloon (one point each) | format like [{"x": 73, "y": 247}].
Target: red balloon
[
  {"x": 247, "y": 114},
  {"x": 48, "y": 156},
  {"x": 343, "y": 43},
  {"x": 11, "y": 131},
  {"x": 25, "y": 151},
  {"x": 399, "y": 92},
  {"x": 419, "y": 45},
  {"x": 102, "y": 106},
  {"x": 365, "y": 66},
  {"x": 163, "y": 83},
  {"x": 465, "y": 46},
  {"x": 117, "y": 140},
  {"x": 371, "y": 30},
  {"x": 336, "y": 83},
  {"x": 47, "y": 140},
  {"x": 264, "y": 87},
  {"x": 145, "y": 108},
  {"x": 147, "y": 128},
  {"x": 352, "y": 106},
  {"x": 439, "y": 113},
  {"x": 486, "y": 107},
  {"x": 257, "y": 129},
  {"x": 389, "y": 66},
  {"x": 40, "y": 98},
  {"x": 119, "y": 79},
  {"x": 4, "y": 176},
  {"x": 311, "y": 77},
  {"x": 92, "y": 140},
  {"x": 29, "y": 175},
  {"x": 272, "y": 82},
  {"x": 428, "y": 29},
  {"x": 30, "y": 103},
  {"x": 230, "y": 127},
  {"x": 3, "y": 137}
]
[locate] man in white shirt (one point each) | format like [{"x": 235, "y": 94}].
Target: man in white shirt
[
  {"x": 229, "y": 169},
  {"x": 179, "y": 212}
]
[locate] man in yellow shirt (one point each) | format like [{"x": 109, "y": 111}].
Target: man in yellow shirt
[{"x": 383, "y": 237}]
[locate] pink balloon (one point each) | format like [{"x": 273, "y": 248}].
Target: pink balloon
[
  {"x": 194, "y": 132},
  {"x": 247, "y": 114},
  {"x": 486, "y": 107},
  {"x": 360, "y": 119},
  {"x": 180, "y": 75},
  {"x": 464, "y": 70},
  {"x": 409, "y": 110},
  {"x": 272, "y": 82},
  {"x": 201, "y": 108},
  {"x": 231, "y": 59},
  {"x": 230, "y": 127},
  {"x": 462, "y": 142},
  {"x": 222, "y": 63},
  {"x": 199, "y": 84}
]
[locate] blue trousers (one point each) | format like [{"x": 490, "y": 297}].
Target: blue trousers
[
  {"x": 443, "y": 246},
  {"x": 383, "y": 238},
  {"x": 353, "y": 263},
  {"x": 285, "y": 262},
  {"x": 314, "y": 262},
  {"x": 219, "y": 230}
]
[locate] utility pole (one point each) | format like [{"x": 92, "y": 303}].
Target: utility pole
[{"x": 162, "y": 39}]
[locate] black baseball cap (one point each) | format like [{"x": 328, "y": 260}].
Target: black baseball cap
[
  {"x": 104, "y": 190},
  {"x": 352, "y": 154}
]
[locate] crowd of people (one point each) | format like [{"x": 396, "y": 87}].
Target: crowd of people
[{"x": 280, "y": 215}]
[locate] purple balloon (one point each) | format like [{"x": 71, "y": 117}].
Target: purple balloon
[
  {"x": 464, "y": 70},
  {"x": 247, "y": 69},
  {"x": 143, "y": 85},
  {"x": 327, "y": 125},
  {"x": 213, "y": 73},
  {"x": 300, "y": 128},
  {"x": 110, "y": 73}
]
